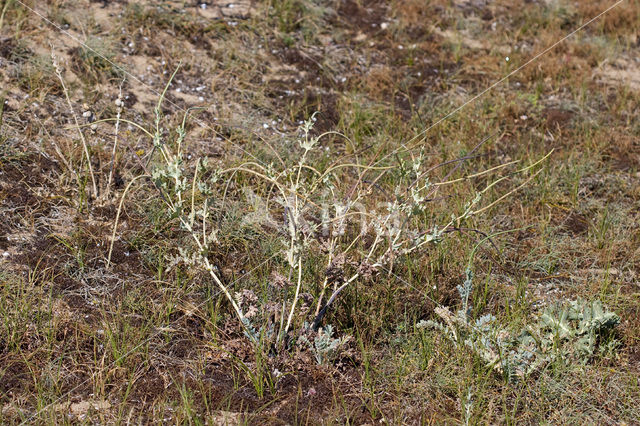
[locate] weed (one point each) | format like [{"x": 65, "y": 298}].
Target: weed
[
  {"x": 563, "y": 332},
  {"x": 324, "y": 347},
  {"x": 319, "y": 217}
]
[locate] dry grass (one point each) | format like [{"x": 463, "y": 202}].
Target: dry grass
[{"x": 146, "y": 339}]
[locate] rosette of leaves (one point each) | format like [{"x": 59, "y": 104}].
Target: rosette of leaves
[
  {"x": 577, "y": 329},
  {"x": 325, "y": 347},
  {"x": 569, "y": 332}
]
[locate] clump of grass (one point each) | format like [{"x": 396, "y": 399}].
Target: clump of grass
[
  {"x": 297, "y": 19},
  {"x": 85, "y": 146},
  {"x": 14, "y": 13},
  {"x": 94, "y": 60},
  {"x": 289, "y": 14},
  {"x": 139, "y": 17},
  {"x": 36, "y": 75},
  {"x": 26, "y": 311}
]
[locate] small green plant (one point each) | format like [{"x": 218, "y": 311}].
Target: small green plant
[
  {"x": 324, "y": 347},
  {"x": 569, "y": 332},
  {"x": 289, "y": 14}
]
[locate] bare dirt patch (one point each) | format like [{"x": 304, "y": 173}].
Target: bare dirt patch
[{"x": 620, "y": 72}]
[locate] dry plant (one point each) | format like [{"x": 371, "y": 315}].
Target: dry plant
[
  {"x": 316, "y": 214},
  {"x": 85, "y": 147},
  {"x": 101, "y": 194}
]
